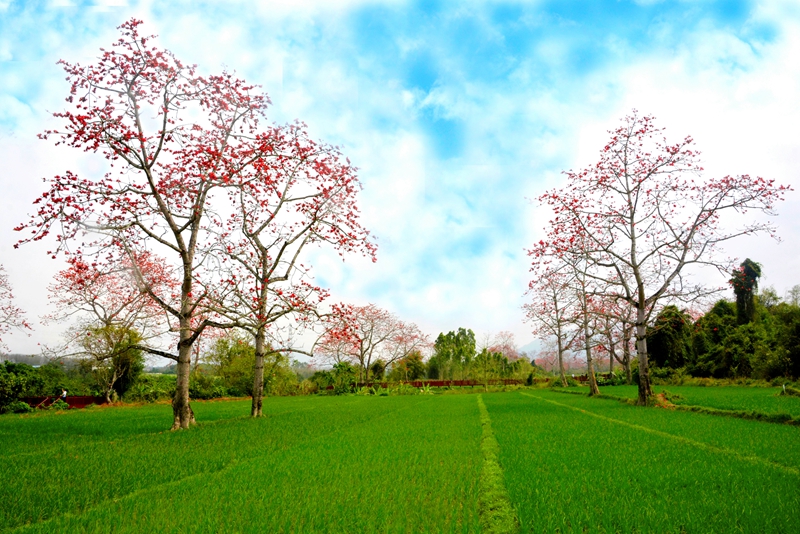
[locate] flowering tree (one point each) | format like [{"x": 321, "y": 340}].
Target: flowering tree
[
  {"x": 109, "y": 293},
  {"x": 11, "y": 316},
  {"x": 552, "y": 309},
  {"x": 503, "y": 343},
  {"x": 365, "y": 334},
  {"x": 113, "y": 313},
  {"x": 299, "y": 194},
  {"x": 170, "y": 138},
  {"x": 642, "y": 214}
]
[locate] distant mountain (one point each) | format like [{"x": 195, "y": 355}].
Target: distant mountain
[
  {"x": 31, "y": 359},
  {"x": 531, "y": 348}
]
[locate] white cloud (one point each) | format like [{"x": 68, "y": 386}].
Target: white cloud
[{"x": 451, "y": 231}]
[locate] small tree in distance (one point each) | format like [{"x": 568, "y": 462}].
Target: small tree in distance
[
  {"x": 364, "y": 334},
  {"x": 11, "y": 316}
]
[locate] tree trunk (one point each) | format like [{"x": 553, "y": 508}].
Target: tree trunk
[
  {"x": 612, "y": 353},
  {"x": 561, "y": 364},
  {"x": 626, "y": 353},
  {"x": 258, "y": 375},
  {"x": 110, "y": 386},
  {"x": 593, "y": 389},
  {"x": 645, "y": 392},
  {"x": 183, "y": 416}
]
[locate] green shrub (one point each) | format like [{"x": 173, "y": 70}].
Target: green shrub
[
  {"x": 151, "y": 388},
  {"x": 17, "y": 407},
  {"x": 58, "y": 405},
  {"x": 203, "y": 386},
  {"x": 571, "y": 382}
]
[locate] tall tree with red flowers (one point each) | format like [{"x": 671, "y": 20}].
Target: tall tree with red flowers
[
  {"x": 170, "y": 137},
  {"x": 299, "y": 194},
  {"x": 643, "y": 214}
]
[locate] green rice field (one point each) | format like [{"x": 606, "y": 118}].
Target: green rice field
[
  {"x": 399, "y": 464},
  {"x": 736, "y": 398}
]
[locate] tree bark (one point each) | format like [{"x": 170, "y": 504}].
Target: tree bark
[
  {"x": 561, "y": 362},
  {"x": 645, "y": 391},
  {"x": 593, "y": 389},
  {"x": 626, "y": 353},
  {"x": 258, "y": 374},
  {"x": 183, "y": 416}
]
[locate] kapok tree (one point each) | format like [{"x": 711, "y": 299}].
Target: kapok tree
[
  {"x": 11, "y": 316},
  {"x": 365, "y": 334},
  {"x": 551, "y": 311},
  {"x": 298, "y": 194},
  {"x": 112, "y": 311},
  {"x": 503, "y": 343},
  {"x": 643, "y": 214},
  {"x": 169, "y": 137}
]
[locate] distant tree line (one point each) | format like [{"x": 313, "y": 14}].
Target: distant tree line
[{"x": 757, "y": 335}]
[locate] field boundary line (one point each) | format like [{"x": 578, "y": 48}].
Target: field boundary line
[
  {"x": 236, "y": 462},
  {"x": 780, "y": 418},
  {"x": 496, "y": 513},
  {"x": 699, "y": 444}
]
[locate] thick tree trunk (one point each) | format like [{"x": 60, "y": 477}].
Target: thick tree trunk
[
  {"x": 645, "y": 392},
  {"x": 258, "y": 374},
  {"x": 561, "y": 364},
  {"x": 110, "y": 387},
  {"x": 183, "y": 416}
]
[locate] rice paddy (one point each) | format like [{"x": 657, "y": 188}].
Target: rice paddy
[{"x": 399, "y": 464}]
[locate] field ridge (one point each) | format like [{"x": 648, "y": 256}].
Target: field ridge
[
  {"x": 699, "y": 444},
  {"x": 496, "y": 512}
]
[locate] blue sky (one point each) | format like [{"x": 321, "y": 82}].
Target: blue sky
[{"x": 456, "y": 113}]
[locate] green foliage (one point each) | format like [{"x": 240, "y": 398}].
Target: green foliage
[
  {"x": 16, "y": 380},
  {"x": 17, "y": 407},
  {"x": 321, "y": 380},
  {"x": 571, "y": 383},
  {"x": 411, "y": 367},
  {"x": 343, "y": 378},
  {"x": 206, "y": 386},
  {"x": 669, "y": 338},
  {"x": 452, "y": 354},
  {"x": 279, "y": 376},
  {"x": 377, "y": 369},
  {"x": 151, "y": 388},
  {"x": 744, "y": 281},
  {"x": 232, "y": 359},
  {"x": 58, "y": 405},
  {"x": 112, "y": 364}
]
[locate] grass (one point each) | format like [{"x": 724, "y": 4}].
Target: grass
[
  {"x": 736, "y": 398},
  {"x": 530, "y": 460},
  {"x": 575, "y": 464},
  {"x": 346, "y": 464},
  {"x": 497, "y": 514}
]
